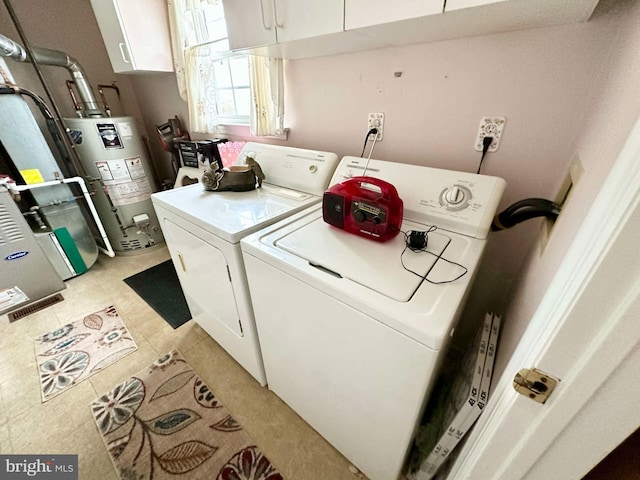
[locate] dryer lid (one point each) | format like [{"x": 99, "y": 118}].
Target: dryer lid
[
  {"x": 232, "y": 215},
  {"x": 377, "y": 266}
]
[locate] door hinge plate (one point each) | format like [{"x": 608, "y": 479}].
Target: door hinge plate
[{"x": 534, "y": 384}]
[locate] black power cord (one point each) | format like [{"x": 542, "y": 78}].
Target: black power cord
[
  {"x": 366, "y": 139},
  {"x": 486, "y": 143},
  {"x": 417, "y": 241}
]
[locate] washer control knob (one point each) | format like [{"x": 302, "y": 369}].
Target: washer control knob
[{"x": 455, "y": 198}]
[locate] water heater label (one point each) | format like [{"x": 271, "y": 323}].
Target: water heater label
[
  {"x": 109, "y": 135},
  {"x": 134, "y": 165},
  {"x": 124, "y": 180},
  {"x": 125, "y": 129}
]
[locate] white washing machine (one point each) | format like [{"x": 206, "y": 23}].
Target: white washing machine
[
  {"x": 351, "y": 340},
  {"x": 203, "y": 231}
]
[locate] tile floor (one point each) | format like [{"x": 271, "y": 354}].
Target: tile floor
[{"x": 64, "y": 424}]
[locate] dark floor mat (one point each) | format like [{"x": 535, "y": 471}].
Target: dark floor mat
[{"x": 160, "y": 288}]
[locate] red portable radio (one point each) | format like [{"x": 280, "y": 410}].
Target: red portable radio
[{"x": 366, "y": 206}]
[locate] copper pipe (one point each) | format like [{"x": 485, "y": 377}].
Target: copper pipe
[
  {"x": 76, "y": 106},
  {"x": 104, "y": 99}
]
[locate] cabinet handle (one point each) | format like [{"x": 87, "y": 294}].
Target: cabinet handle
[
  {"x": 275, "y": 14},
  {"x": 264, "y": 19},
  {"x": 184, "y": 269},
  {"x": 123, "y": 49}
]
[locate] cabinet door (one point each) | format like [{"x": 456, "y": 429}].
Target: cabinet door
[
  {"x": 365, "y": 13},
  {"x": 298, "y": 19},
  {"x": 135, "y": 33},
  {"x": 112, "y": 34},
  {"x": 204, "y": 276},
  {"x": 250, "y": 23}
]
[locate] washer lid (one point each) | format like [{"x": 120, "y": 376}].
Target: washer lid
[
  {"x": 232, "y": 215},
  {"x": 377, "y": 266}
]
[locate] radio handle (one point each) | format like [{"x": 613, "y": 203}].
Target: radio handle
[{"x": 387, "y": 190}]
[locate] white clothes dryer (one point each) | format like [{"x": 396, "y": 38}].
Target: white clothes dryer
[
  {"x": 203, "y": 231},
  {"x": 351, "y": 339}
]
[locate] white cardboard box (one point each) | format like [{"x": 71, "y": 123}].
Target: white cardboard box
[{"x": 469, "y": 395}]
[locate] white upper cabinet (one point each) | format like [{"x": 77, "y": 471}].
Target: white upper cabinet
[
  {"x": 458, "y": 18},
  {"x": 250, "y": 23},
  {"x": 136, "y": 34},
  {"x": 257, "y": 23},
  {"x": 298, "y": 19},
  {"x": 310, "y": 28},
  {"x": 364, "y": 13}
]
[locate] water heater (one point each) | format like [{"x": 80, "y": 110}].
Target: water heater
[{"x": 113, "y": 154}]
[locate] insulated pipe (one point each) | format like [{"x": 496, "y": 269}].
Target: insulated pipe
[
  {"x": 56, "y": 58},
  {"x": 83, "y": 186},
  {"x": 9, "y": 48},
  {"x": 525, "y": 210}
]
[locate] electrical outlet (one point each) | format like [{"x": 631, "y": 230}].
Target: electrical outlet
[
  {"x": 376, "y": 120},
  {"x": 490, "y": 127}
]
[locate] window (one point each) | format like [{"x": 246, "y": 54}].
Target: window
[
  {"x": 222, "y": 87},
  {"x": 230, "y": 71}
]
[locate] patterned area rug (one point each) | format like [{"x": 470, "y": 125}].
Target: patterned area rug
[
  {"x": 165, "y": 423},
  {"x": 77, "y": 350}
]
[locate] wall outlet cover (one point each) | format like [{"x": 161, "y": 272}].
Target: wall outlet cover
[
  {"x": 376, "y": 120},
  {"x": 493, "y": 127}
]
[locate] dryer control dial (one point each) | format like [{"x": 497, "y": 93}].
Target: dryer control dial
[{"x": 456, "y": 197}]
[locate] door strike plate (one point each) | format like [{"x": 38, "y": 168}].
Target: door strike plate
[{"x": 534, "y": 384}]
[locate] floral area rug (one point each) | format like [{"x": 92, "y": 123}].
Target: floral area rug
[
  {"x": 77, "y": 350},
  {"x": 165, "y": 423}
]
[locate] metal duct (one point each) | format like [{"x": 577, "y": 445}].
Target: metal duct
[
  {"x": 45, "y": 56},
  {"x": 9, "y": 48}
]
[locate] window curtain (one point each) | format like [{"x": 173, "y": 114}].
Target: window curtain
[
  {"x": 266, "y": 79},
  {"x": 193, "y": 66},
  {"x": 179, "y": 24},
  {"x": 201, "y": 91}
]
